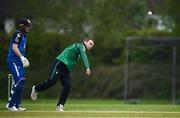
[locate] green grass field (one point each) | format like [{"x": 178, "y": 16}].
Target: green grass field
[{"x": 93, "y": 109}]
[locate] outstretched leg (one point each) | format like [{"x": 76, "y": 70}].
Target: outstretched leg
[{"x": 47, "y": 83}]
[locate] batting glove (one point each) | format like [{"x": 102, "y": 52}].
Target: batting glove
[{"x": 25, "y": 62}]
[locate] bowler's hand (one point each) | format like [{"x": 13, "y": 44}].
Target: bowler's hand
[{"x": 88, "y": 71}]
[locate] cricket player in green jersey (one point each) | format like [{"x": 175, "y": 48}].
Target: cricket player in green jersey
[{"x": 62, "y": 67}]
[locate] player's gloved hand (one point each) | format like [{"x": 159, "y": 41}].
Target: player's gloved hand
[
  {"x": 88, "y": 71},
  {"x": 24, "y": 61}
]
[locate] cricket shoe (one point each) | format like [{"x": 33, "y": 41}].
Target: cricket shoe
[
  {"x": 21, "y": 109},
  {"x": 60, "y": 108},
  {"x": 13, "y": 108},
  {"x": 33, "y": 94}
]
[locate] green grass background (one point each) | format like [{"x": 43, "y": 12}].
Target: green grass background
[{"x": 45, "y": 108}]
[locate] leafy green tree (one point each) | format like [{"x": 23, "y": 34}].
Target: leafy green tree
[{"x": 171, "y": 9}]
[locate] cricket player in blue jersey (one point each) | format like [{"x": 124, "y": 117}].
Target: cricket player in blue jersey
[{"x": 16, "y": 62}]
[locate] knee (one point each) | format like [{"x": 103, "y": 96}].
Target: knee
[
  {"x": 51, "y": 82},
  {"x": 21, "y": 84}
]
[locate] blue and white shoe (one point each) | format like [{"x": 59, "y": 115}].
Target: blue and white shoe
[
  {"x": 21, "y": 109},
  {"x": 13, "y": 108}
]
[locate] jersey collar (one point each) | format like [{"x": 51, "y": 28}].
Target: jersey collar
[
  {"x": 22, "y": 32},
  {"x": 84, "y": 46}
]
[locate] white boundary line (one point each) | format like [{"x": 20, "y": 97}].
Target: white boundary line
[{"x": 137, "y": 112}]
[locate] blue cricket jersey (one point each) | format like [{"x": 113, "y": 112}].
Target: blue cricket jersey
[{"x": 19, "y": 38}]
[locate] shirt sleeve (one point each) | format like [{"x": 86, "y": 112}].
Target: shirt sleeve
[
  {"x": 83, "y": 55},
  {"x": 16, "y": 38}
]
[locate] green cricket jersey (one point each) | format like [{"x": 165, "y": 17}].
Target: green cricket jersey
[{"x": 71, "y": 55}]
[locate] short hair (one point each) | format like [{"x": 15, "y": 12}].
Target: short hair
[{"x": 88, "y": 38}]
